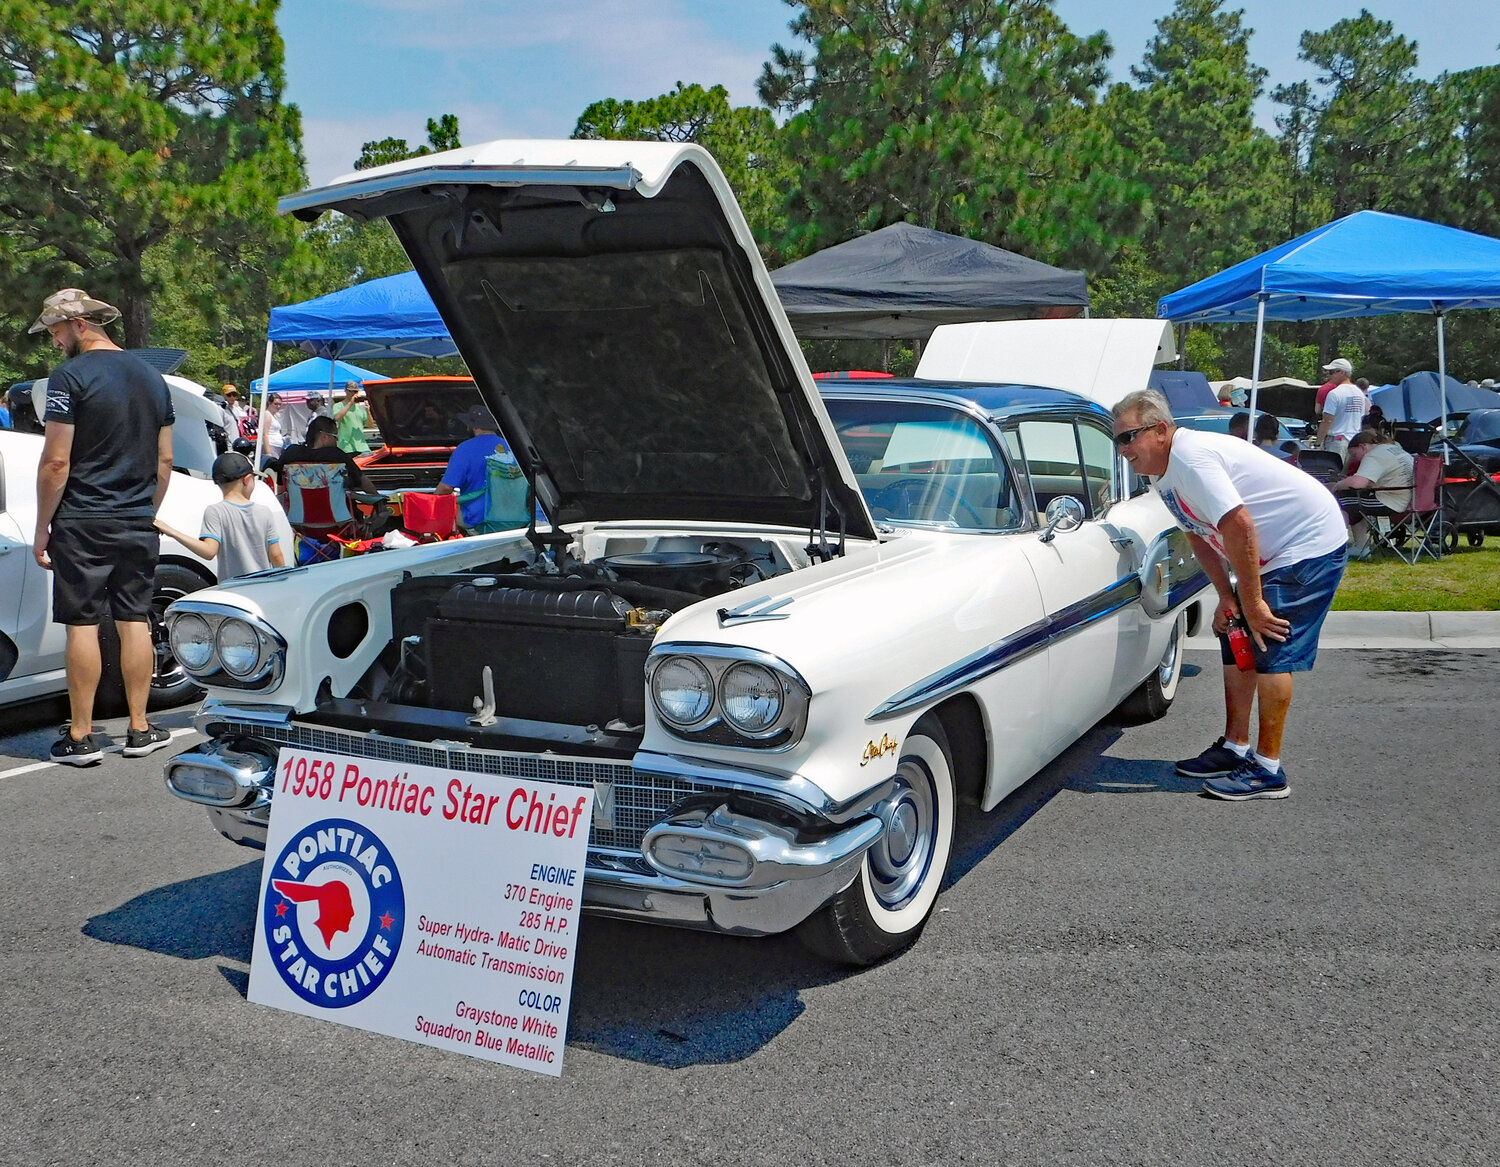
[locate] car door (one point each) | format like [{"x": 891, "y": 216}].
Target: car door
[
  {"x": 25, "y": 589},
  {"x": 1086, "y": 575},
  {"x": 15, "y": 551}
]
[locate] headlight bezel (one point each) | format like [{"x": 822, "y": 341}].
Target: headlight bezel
[
  {"x": 270, "y": 660},
  {"x": 716, "y": 727}
]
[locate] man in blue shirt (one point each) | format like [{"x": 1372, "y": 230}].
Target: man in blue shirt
[{"x": 467, "y": 473}]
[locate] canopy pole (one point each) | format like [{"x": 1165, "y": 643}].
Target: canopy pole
[
  {"x": 260, "y": 417},
  {"x": 1442, "y": 378},
  {"x": 1260, "y": 336}
]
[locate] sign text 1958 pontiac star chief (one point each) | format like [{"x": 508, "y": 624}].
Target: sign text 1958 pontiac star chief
[{"x": 780, "y": 636}]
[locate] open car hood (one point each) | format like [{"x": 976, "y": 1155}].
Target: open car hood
[
  {"x": 610, "y": 302},
  {"x": 422, "y": 411}
]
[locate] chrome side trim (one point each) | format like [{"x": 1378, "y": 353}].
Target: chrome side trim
[{"x": 1015, "y": 647}]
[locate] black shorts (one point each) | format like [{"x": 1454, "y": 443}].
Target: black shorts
[{"x": 95, "y": 561}]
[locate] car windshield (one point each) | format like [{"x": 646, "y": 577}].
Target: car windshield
[
  {"x": 925, "y": 464},
  {"x": 1483, "y": 425}
]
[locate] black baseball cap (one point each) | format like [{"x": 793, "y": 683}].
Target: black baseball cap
[{"x": 230, "y": 467}]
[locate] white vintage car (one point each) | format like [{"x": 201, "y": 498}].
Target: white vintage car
[
  {"x": 31, "y": 645},
  {"x": 781, "y": 636}
]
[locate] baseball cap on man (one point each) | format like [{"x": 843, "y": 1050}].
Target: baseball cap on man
[
  {"x": 480, "y": 418},
  {"x": 73, "y": 304},
  {"x": 230, "y": 467},
  {"x": 1339, "y": 365}
]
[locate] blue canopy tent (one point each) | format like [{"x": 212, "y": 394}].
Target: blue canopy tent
[
  {"x": 389, "y": 317},
  {"x": 312, "y": 376},
  {"x": 1369, "y": 263}
]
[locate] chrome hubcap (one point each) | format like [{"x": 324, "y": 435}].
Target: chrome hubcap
[
  {"x": 1168, "y": 666},
  {"x": 899, "y": 860}
]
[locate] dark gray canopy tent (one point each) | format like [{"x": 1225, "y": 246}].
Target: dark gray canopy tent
[{"x": 903, "y": 281}]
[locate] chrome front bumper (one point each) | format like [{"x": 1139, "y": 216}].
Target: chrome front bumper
[{"x": 675, "y": 841}]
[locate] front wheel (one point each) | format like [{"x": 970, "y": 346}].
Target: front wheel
[
  {"x": 1156, "y": 693},
  {"x": 170, "y": 683},
  {"x": 886, "y": 907}
]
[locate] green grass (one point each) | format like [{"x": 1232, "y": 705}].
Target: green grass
[{"x": 1468, "y": 581}]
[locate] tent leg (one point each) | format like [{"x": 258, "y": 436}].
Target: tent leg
[
  {"x": 1443, "y": 379},
  {"x": 260, "y": 426},
  {"x": 1260, "y": 336}
]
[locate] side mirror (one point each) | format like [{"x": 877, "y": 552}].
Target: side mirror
[{"x": 1064, "y": 513}]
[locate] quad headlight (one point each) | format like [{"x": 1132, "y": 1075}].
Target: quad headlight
[
  {"x": 683, "y": 691},
  {"x": 221, "y": 645},
  {"x": 192, "y": 642},
  {"x": 239, "y": 648},
  {"x": 727, "y": 696},
  {"x": 751, "y": 696}
]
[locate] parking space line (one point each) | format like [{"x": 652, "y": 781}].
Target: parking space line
[{"x": 19, "y": 770}]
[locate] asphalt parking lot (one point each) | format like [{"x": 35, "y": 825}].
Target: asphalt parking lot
[{"x": 1120, "y": 972}]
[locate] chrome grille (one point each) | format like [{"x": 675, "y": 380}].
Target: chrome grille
[{"x": 641, "y": 799}]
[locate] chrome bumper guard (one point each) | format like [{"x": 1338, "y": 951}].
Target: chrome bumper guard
[{"x": 713, "y": 864}]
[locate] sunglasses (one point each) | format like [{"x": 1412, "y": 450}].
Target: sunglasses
[{"x": 1124, "y": 439}]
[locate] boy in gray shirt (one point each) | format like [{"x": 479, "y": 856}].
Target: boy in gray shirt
[{"x": 236, "y": 528}]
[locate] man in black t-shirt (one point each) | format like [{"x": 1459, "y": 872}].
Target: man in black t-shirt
[{"x": 106, "y": 461}]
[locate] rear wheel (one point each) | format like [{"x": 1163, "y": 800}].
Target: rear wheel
[
  {"x": 1156, "y": 693},
  {"x": 886, "y": 907}
]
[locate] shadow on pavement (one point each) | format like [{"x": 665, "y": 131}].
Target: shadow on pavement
[
  {"x": 212, "y": 915},
  {"x": 673, "y": 999},
  {"x": 661, "y": 996}
]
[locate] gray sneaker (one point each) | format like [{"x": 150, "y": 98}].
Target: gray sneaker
[
  {"x": 140, "y": 742},
  {"x": 85, "y": 751},
  {"x": 1251, "y": 780}
]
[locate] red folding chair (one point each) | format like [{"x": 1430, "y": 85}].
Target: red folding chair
[
  {"x": 319, "y": 507},
  {"x": 1417, "y": 529},
  {"x": 431, "y": 515}
]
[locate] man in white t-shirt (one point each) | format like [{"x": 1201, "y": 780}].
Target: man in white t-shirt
[
  {"x": 1282, "y": 535},
  {"x": 1344, "y": 409}
]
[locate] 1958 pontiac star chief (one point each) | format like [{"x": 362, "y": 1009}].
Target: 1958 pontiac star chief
[{"x": 781, "y": 636}]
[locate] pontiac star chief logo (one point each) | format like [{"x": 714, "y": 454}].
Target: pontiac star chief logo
[{"x": 334, "y": 913}]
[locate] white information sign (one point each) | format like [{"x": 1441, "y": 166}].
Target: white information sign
[{"x": 435, "y": 905}]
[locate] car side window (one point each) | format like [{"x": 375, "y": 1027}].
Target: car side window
[
  {"x": 1099, "y": 466},
  {"x": 1050, "y": 452}
]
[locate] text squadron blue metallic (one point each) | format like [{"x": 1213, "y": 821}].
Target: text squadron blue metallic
[{"x": 1015, "y": 647}]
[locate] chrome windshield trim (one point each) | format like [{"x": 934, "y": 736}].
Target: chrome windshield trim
[{"x": 1013, "y": 648}]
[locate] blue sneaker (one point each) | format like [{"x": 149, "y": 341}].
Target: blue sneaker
[
  {"x": 1211, "y": 763},
  {"x": 1250, "y": 780}
]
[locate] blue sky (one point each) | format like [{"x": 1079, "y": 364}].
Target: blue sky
[{"x": 363, "y": 69}]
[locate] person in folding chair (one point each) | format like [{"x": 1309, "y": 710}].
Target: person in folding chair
[
  {"x": 320, "y": 485},
  {"x": 483, "y": 472},
  {"x": 1378, "y": 486}
]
